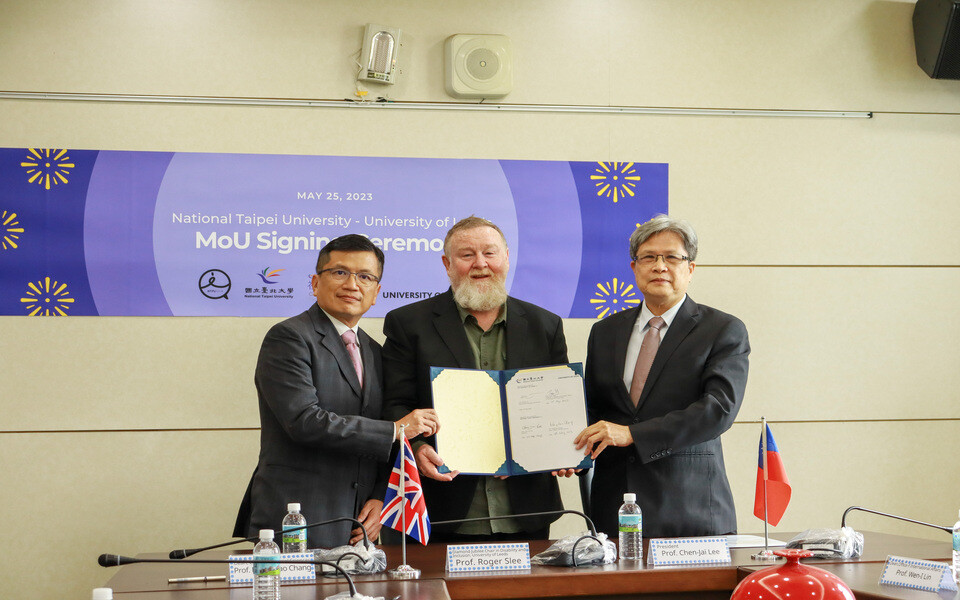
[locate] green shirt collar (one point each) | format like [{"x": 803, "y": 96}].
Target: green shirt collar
[{"x": 464, "y": 313}]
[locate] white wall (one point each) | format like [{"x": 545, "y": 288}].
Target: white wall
[{"x": 833, "y": 239}]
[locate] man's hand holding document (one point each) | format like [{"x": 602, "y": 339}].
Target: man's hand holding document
[{"x": 518, "y": 421}]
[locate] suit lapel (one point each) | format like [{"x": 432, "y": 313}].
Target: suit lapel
[
  {"x": 370, "y": 375},
  {"x": 332, "y": 342},
  {"x": 687, "y": 318},
  {"x": 447, "y": 322},
  {"x": 518, "y": 336},
  {"x": 621, "y": 338}
]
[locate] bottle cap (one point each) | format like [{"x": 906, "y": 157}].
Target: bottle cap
[
  {"x": 102, "y": 594},
  {"x": 293, "y": 507},
  {"x": 266, "y": 534},
  {"x": 628, "y": 497}
]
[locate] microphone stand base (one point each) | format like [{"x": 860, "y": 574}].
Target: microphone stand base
[
  {"x": 764, "y": 555},
  {"x": 404, "y": 572}
]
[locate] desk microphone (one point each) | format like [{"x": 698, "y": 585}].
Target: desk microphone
[
  {"x": 114, "y": 560},
  {"x": 180, "y": 554},
  {"x": 843, "y": 520},
  {"x": 593, "y": 530},
  {"x": 573, "y": 555}
]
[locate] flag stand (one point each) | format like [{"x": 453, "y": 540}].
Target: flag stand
[
  {"x": 766, "y": 553},
  {"x": 403, "y": 571}
]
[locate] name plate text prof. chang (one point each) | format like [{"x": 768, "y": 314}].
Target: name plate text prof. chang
[
  {"x": 241, "y": 569},
  {"x": 688, "y": 551}
]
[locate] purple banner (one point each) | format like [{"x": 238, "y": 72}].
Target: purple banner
[{"x": 148, "y": 233}]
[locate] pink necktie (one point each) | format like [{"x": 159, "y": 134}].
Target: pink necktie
[
  {"x": 648, "y": 350},
  {"x": 350, "y": 340}
]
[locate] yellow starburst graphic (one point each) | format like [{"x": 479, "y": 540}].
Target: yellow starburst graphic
[
  {"x": 615, "y": 180},
  {"x": 10, "y": 230},
  {"x": 46, "y": 166},
  {"x": 46, "y": 298},
  {"x": 614, "y": 296}
]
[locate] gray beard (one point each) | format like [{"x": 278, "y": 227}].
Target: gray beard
[{"x": 469, "y": 295}]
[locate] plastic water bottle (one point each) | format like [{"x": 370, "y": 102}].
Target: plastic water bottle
[
  {"x": 266, "y": 576},
  {"x": 102, "y": 594},
  {"x": 294, "y": 541},
  {"x": 956, "y": 551},
  {"x": 630, "y": 521}
]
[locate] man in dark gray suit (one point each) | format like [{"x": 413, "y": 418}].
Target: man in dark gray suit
[
  {"x": 473, "y": 325},
  {"x": 319, "y": 384},
  {"x": 663, "y": 381}
]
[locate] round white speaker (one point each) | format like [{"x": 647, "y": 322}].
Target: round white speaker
[{"x": 478, "y": 65}]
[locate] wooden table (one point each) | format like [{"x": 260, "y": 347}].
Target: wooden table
[
  {"x": 864, "y": 580},
  {"x": 407, "y": 590},
  {"x": 619, "y": 580}
]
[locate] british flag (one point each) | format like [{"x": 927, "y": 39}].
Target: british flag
[{"x": 415, "y": 507}]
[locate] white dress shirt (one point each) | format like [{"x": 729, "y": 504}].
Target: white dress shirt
[
  {"x": 639, "y": 330},
  {"x": 342, "y": 328}
]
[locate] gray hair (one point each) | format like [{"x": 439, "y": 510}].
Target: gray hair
[
  {"x": 660, "y": 224},
  {"x": 471, "y": 222}
]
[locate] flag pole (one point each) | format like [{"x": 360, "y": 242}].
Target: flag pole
[
  {"x": 403, "y": 571},
  {"x": 766, "y": 554},
  {"x": 403, "y": 497},
  {"x": 766, "y": 476}
]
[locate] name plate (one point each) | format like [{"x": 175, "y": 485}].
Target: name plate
[
  {"x": 241, "y": 569},
  {"x": 488, "y": 557},
  {"x": 688, "y": 551},
  {"x": 916, "y": 574}
]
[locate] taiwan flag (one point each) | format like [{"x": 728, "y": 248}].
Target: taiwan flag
[
  {"x": 411, "y": 502},
  {"x": 771, "y": 472}
]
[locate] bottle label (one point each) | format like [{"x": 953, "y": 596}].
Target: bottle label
[
  {"x": 266, "y": 569},
  {"x": 630, "y": 523},
  {"x": 956, "y": 541},
  {"x": 294, "y": 537}
]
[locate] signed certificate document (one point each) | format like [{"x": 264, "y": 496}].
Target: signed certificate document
[{"x": 510, "y": 422}]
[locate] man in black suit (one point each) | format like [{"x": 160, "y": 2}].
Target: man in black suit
[
  {"x": 663, "y": 381},
  {"x": 473, "y": 325},
  {"x": 319, "y": 384}
]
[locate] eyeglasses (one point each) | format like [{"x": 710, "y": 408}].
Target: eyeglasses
[
  {"x": 341, "y": 275},
  {"x": 671, "y": 259}
]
